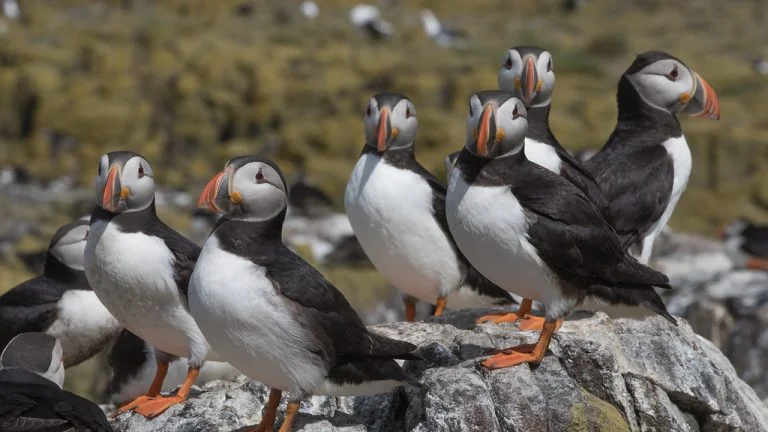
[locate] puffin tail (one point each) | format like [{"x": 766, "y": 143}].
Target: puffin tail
[
  {"x": 384, "y": 347},
  {"x": 633, "y": 295}
]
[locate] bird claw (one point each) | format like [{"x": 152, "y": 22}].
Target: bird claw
[
  {"x": 509, "y": 358},
  {"x": 498, "y": 318},
  {"x": 155, "y": 407},
  {"x": 133, "y": 404}
]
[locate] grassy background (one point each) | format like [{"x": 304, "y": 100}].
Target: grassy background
[{"x": 192, "y": 83}]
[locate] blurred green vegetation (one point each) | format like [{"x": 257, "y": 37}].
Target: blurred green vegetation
[{"x": 190, "y": 84}]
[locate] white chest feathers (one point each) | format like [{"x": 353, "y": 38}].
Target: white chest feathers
[
  {"x": 543, "y": 155},
  {"x": 490, "y": 227},
  {"x": 84, "y": 326},
  {"x": 133, "y": 276},
  {"x": 678, "y": 151},
  {"x": 249, "y": 323},
  {"x": 391, "y": 211}
]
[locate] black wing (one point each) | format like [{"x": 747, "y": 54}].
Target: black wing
[
  {"x": 572, "y": 237},
  {"x": 576, "y": 173},
  {"x": 82, "y": 413},
  {"x": 756, "y": 241},
  {"x": 637, "y": 183},
  {"x": 28, "y": 403},
  {"x": 336, "y": 325},
  {"x": 185, "y": 253},
  {"x": 31, "y": 306}
]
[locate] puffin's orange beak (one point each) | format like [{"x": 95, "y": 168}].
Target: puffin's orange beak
[
  {"x": 529, "y": 80},
  {"x": 113, "y": 193},
  {"x": 703, "y": 102},
  {"x": 215, "y": 192},
  {"x": 486, "y": 129},
  {"x": 383, "y": 131}
]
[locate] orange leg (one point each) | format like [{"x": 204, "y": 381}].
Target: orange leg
[
  {"x": 757, "y": 264},
  {"x": 155, "y": 407},
  {"x": 270, "y": 413},
  {"x": 514, "y": 357},
  {"x": 440, "y": 307},
  {"x": 522, "y": 312},
  {"x": 152, "y": 393},
  {"x": 290, "y": 415},
  {"x": 410, "y": 309}
]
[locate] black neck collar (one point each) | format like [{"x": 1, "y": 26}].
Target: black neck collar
[
  {"x": 538, "y": 125},
  {"x": 57, "y": 270},
  {"x": 246, "y": 238},
  {"x": 639, "y": 122},
  {"x": 132, "y": 221}
]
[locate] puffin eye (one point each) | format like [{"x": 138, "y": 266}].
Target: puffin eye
[
  {"x": 549, "y": 65},
  {"x": 508, "y": 62},
  {"x": 141, "y": 171},
  {"x": 515, "y": 112},
  {"x": 470, "y": 109},
  {"x": 673, "y": 74},
  {"x": 409, "y": 113},
  {"x": 259, "y": 177},
  {"x": 368, "y": 110},
  {"x": 99, "y": 170}
]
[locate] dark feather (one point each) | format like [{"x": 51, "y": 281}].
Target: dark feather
[
  {"x": 28, "y": 396},
  {"x": 320, "y": 306}
]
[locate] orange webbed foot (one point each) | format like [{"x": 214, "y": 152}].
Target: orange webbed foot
[
  {"x": 509, "y": 358},
  {"x": 157, "y": 406},
  {"x": 498, "y": 318},
  {"x": 130, "y": 406}
]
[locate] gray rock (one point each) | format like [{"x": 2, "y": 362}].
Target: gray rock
[{"x": 600, "y": 374}]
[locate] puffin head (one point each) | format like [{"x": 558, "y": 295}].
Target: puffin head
[
  {"x": 496, "y": 124},
  {"x": 390, "y": 122},
  {"x": 666, "y": 83},
  {"x": 125, "y": 182},
  {"x": 249, "y": 188},
  {"x": 35, "y": 352},
  {"x": 68, "y": 244},
  {"x": 527, "y": 73}
]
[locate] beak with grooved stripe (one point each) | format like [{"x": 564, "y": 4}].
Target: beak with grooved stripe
[
  {"x": 113, "y": 193},
  {"x": 216, "y": 194},
  {"x": 486, "y": 131},
  {"x": 702, "y": 101}
]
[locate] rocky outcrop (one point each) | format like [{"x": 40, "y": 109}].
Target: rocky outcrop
[
  {"x": 600, "y": 374},
  {"x": 722, "y": 301}
]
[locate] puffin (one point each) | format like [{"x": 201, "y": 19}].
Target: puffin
[
  {"x": 533, "y": 232},
  {"x": 271, "y": 314},
  {"x": 60, "y": 302},
  {"x": 397, "y": 211},
  {"x": 644, "y": 167},
  {"x": 527, "y": 73},
  {"x": 133, "y": 365},
  {"x": 746, "y": 243},
  {"x": 31, "y": 397},
  {"x": 139, "y": 268}
]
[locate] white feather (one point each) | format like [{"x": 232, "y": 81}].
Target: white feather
[
  {"x": 682, "y": 162},
  {"x": 83, "y": 326},
  {"x": 490, "y": 227},
  {"x": 391, "y": 212},
  {"x": 132, "y": 275},
  {"x": 543, "y": 155},
  {"x": 251, "y": 325}
]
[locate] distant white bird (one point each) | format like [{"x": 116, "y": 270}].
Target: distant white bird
[
  {"x": 310, "y": 9},
  {"x": 368, "y": 18},
  {"x": 442, "y": 35},
  {"x": 11, "y": 9},
  {"x": 760, "y": 66}
]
